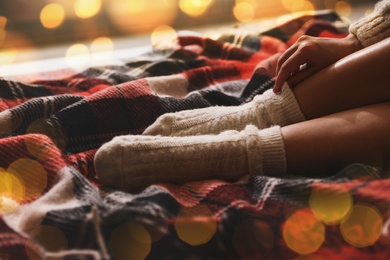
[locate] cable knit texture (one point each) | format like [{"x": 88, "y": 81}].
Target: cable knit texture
[
  {"x": 133, "y": 162},
  {"x": 263, "y": 111},
  {"x": 375, "y": 26}
]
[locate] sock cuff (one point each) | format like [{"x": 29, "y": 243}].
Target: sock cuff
[
  {"x": 283, "y": 108},
  {"x": 273, "y": 152},
  {"x": 266, "y": 153}
]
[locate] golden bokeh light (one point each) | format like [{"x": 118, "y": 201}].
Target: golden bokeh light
[
  {"x": 363, "y": 227},
  {"x": 52, "y": 15},
  {"x": 7, "y": 57},
  {"x": 163, "y": 36},
  {"x": 307, "y": 6},
  {"x": 32, "y": 174},
  {"x": 3, "y": 22},
  {"x": 7, "y": 205},
  {"x": 244, "y": 11},
  {"x": 297, "y": 5},
  {"x": 287, "y": 4},
  {"x": 78, "y": 56},
  {"x": 141, "y": 16},
  {"x": 330, "y": 206},
  {"x": 343, "y": 8},
  {"x": 102, "y": 44},
  {"x": 12, "y": 192},
  {"x": 130, "y": 241},
  {"x": 102, "y": 48},
  {"x": 87, "y": 8},
  {"x": 11, "y": 186},
  {"x": 196, "y": 225},
  {"x": 51, "y": 238},
  {"x": 303, "y": 232},
  {"x": 195, "y": 7}
]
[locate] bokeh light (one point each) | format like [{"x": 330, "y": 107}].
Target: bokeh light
[
  {"x": 51, "y": 238},
  {"x": 102, "y": 48},
  {"x": 196, "y": 225},
  {"x": 195, "y": 7},
  {"x": 32, "y": 174},
  {"x": 163, "y": 36},
  {"x": 11, "y": 186},
  {"x": 102, "y": 44},
  {"x": 3, "y": 22},
  {"x": 130, "y": 241},
  {"x": 7, "y": 57},
  {"x": 12, "y": 192},
  {"x": 363, "y": 227},
  {"x": 343, "y": 8},
  {"x": 244, "y": 11},
  {"x": 78, "y": 56},
  {"x": 87, "y": 8},
  {"x": 141, "y": 16},
  {"x": 297, "y": 5},
  {"x": 303, "y": 232},
  {"x": 330, "y": 206},
  {"x": 52, "y": 15},
  {"x": 7, "y": 205}
]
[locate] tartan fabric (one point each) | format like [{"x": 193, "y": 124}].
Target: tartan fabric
[{"x": 52, "y": 127}]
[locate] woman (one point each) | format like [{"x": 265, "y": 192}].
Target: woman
[{"x": 329, "y": 108}]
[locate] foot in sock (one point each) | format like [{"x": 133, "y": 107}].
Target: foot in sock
[
  {"x": 263, "y": 111},
  {"x": 132, "y": 162}
]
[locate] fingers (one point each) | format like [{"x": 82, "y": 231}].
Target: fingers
[
  {"x": 300, "y": 76},
  {"x": 284, "y": 57},
  {"x": 290, "y": 61},
  {"x": 289, "y": 67}
]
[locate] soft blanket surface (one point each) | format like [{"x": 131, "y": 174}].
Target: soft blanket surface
[{"x": 52, "y": 204}]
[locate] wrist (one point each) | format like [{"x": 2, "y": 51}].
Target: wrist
[{"x": 353, "y": 43}]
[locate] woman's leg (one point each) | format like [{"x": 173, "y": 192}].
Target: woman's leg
[
  {"x": 327, "y": 144},
  {"x": 359, "y": 79},
  {"x": 309, "y": 148}
]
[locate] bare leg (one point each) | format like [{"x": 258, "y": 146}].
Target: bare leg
[
  {"x": 357, "y": 80},
  {"x": 332, "y": 142}
]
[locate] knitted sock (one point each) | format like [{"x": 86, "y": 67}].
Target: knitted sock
[
  {"x": 263, "y": 111},
  {"x": 133, "y": 162}
]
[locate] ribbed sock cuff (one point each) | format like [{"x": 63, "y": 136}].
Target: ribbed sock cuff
[
  {"x": 283, "y": 108},
  {"x": 273, "y": 152},
  {"x": 266, "y": 154}
]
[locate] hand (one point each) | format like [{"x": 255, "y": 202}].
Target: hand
[{"x": 310, "y": 55}]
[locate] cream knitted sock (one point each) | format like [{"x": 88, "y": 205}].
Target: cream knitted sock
[
  {"x": 263, "y": 111},
  {"x": 131, "y": 162}
]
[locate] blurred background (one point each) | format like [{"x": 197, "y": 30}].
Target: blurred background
[{"x": 44, "y": 29}]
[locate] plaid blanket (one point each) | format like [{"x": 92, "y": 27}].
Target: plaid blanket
[{"x": 52, "y": 205}]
